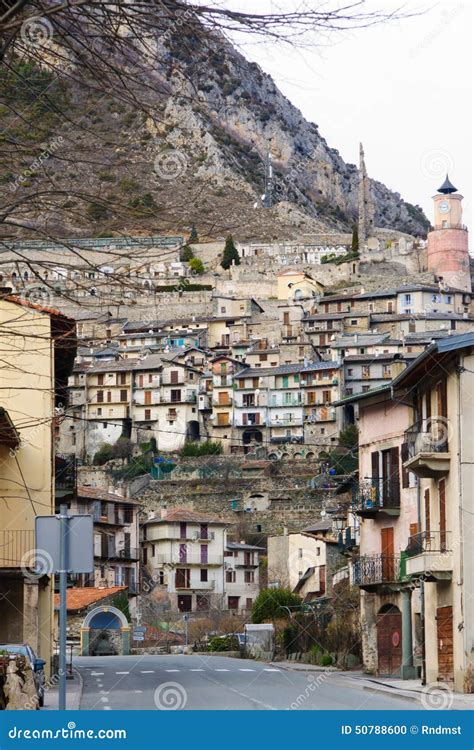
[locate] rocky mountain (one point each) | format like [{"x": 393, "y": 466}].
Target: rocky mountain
[{"x": 194, "y": 155}]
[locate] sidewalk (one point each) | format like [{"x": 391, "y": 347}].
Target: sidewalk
[
  {"x": 73, "y": 695},
  {"x": 413, "y": 690}
]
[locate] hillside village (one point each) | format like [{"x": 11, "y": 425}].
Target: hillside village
[{"x": 297, "y": 420}]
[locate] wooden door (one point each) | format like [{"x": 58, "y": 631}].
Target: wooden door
[
  {"x": 388, "y": 560},
  {"x": 389, "y": 642},
  {"x": 444, "y": 623},
  {"x": 442, "y": 515}
]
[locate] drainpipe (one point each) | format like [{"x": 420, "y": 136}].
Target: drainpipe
[{"x": 460, "y": 583}]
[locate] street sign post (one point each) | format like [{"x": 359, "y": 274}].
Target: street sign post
[
  {"x": 64, "y": 544},
  {"x": 138, "y": 633}
]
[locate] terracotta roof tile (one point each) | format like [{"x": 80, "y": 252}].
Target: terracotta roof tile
[
  {"x": 81, "y": 598},
  {"x": 98, "y": 493}
]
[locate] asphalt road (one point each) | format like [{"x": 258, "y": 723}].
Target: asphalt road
[{"x": 201, "y": 683}]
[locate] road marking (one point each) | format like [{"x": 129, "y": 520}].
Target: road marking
[
  {"x": 96, "y": 674},
  {"x": 246, "y": 670},
  {"x": 147, "y": 671},
  {"x": 104, "y": 700},
  {"x": 196, "y": 670},
  {"x": 122, "y": 672},
  {"x": 104, "y": 692},
  {"x": 138, "y": 691},
  {"x": 172, "y": 670},
  {"x": 106, "y": 708},
  {"x": 221, "y": 670},
  {"x": 272, "y": 670}
]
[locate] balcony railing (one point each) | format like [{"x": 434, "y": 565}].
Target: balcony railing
[
  {"x": 182, "y": 560},
  {"x": 430, "y": 542},
  {"x": 15, "y": 546},
  {"x": 373, "y": 570},
  {"x": 347, "y": 539},
  {"x": 428, "y": 554},
  {"x": 426, "y": 448},
  {"x": 373, "y": 496}
]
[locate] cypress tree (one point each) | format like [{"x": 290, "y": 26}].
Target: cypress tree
[{"x": 230, "y": 253}]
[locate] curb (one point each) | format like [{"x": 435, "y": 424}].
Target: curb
[
  {"x": 306, "y": 668},
  {"x": 412, "y": 696},
  {"x": 78, "y": 697}
]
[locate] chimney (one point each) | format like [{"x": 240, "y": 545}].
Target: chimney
[
  {"x": 285, "y": 530},
  {"x": 163, "y": 513}
]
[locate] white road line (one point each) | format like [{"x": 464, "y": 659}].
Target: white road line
[
  {"x": 221, "y": 670},
  {"x": 172, "y": 670},
  {"x": 122, "y": 672},
  {"x": 147, "y": 671},
  {"x": 96, "y": 674},
  {"x": 138, "y": 691},
  {"x": 246, "y": 670},
  {"x": 104, "y": 700},
  {"x": 196, "y": 670},
  {"x": 104, "y": 692},
  {"x": 272, "y": 670},
  {"x": 106, "y": 708}
]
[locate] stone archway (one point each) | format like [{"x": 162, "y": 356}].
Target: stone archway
[{"x": 105, "y": 631}]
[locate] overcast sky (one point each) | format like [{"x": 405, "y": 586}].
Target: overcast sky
[{"x": 402, "y": 88}]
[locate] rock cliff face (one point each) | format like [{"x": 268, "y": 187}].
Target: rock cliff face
[{"x": 197, "y": 156}]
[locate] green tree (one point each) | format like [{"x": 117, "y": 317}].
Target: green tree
[
  {"x": 123, "y": 448},
  {"x": 230, "y": 253},
  {"x": 349, "y": 437},
  {"x": 197, "y": 266},
  {"x": 193, "y": 237},
  {"x": 355, "y": 240},
  {"x": 186, "y": 254},
  {"x": 272, "y": 604}
]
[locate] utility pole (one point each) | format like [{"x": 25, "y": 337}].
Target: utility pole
[{"x": 63, "y": 566}]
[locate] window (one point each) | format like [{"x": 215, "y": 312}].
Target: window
[
  {"x": 121, "y": 378},
  {"x": 204, "y": 574},
  {"x": 296, "y": 378},
  {"x": 350, "y": 371},
  {"x": 349, "y": 391},
  {"x": 100, "y": 397},
  {"x": 230, "y": 576},
  {"x": 407, "y": 299},
  {"x": 263, "y": 357},
  {"x": 249, "y": 576},
  {"x": 353, "y": 322},
  {"x": 150, "y": 378},
  {"x": 99, "y": 412},
  {"x": 318, "y": 551},
  {"x": 153, "y": 550},
  {"x": 285, "y": 381},
  {"x": 147, "y": 415},
  {"x": 365, "y": 388},
  {"x": 123, "y": 395},
  {"x": 300, "y": 553},
  {"x": 100, "y": 379}
]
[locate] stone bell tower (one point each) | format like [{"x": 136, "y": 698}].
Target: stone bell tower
[
  {"x": 448, "y": 253},
  {"x": 366, "y": 203}
]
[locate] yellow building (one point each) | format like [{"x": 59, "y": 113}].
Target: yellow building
[
  {"x": 38, "y": 348},
  {"x": 294, "y": 285}
]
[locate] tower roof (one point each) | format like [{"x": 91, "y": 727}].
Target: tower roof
[{"x": 447, "y": 187}]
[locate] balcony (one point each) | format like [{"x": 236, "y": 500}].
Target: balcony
[
  {"x": 64, "y": 476},
  {"x": 429, "y": 554},
  {"x": 182, "y": 560},
  {"x": 186, "y": 398},
  {"x": 371, "y": 571},
  {"x": 110, "y": 553},
  {"x": 373, "y": 497},
  {"x": 15, "y": 546},
  {"x": 347, "y": 540},
  {"x": 290, "y": 421},
  {"x": 216, "y": 401},
  {"x": 426, "y": 448}
]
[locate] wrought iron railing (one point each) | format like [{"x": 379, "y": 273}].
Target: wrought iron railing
[
  {"x": 429, "y": 541},
  {"x": 427, "y": 436},
  {"x": 375, "y": 569},
  {"x": 374, "y": 494}
]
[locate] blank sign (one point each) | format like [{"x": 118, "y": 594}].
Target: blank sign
[{"x": 80, "y": 544}]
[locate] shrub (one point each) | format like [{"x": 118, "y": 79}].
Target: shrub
[
  {"x": 186, "y": 254},
  {"x": 326, "y": 660},
  {"x": 271, "y": 604},
  {"x": 193, "y": 237},
  {"x": 197, "y": 266},
  {"x": 104, "y": 454},
  {"x": 96, "y": 211},
  {"x": 228, "y": 643},
  {"x": 207, "y": 448}
]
